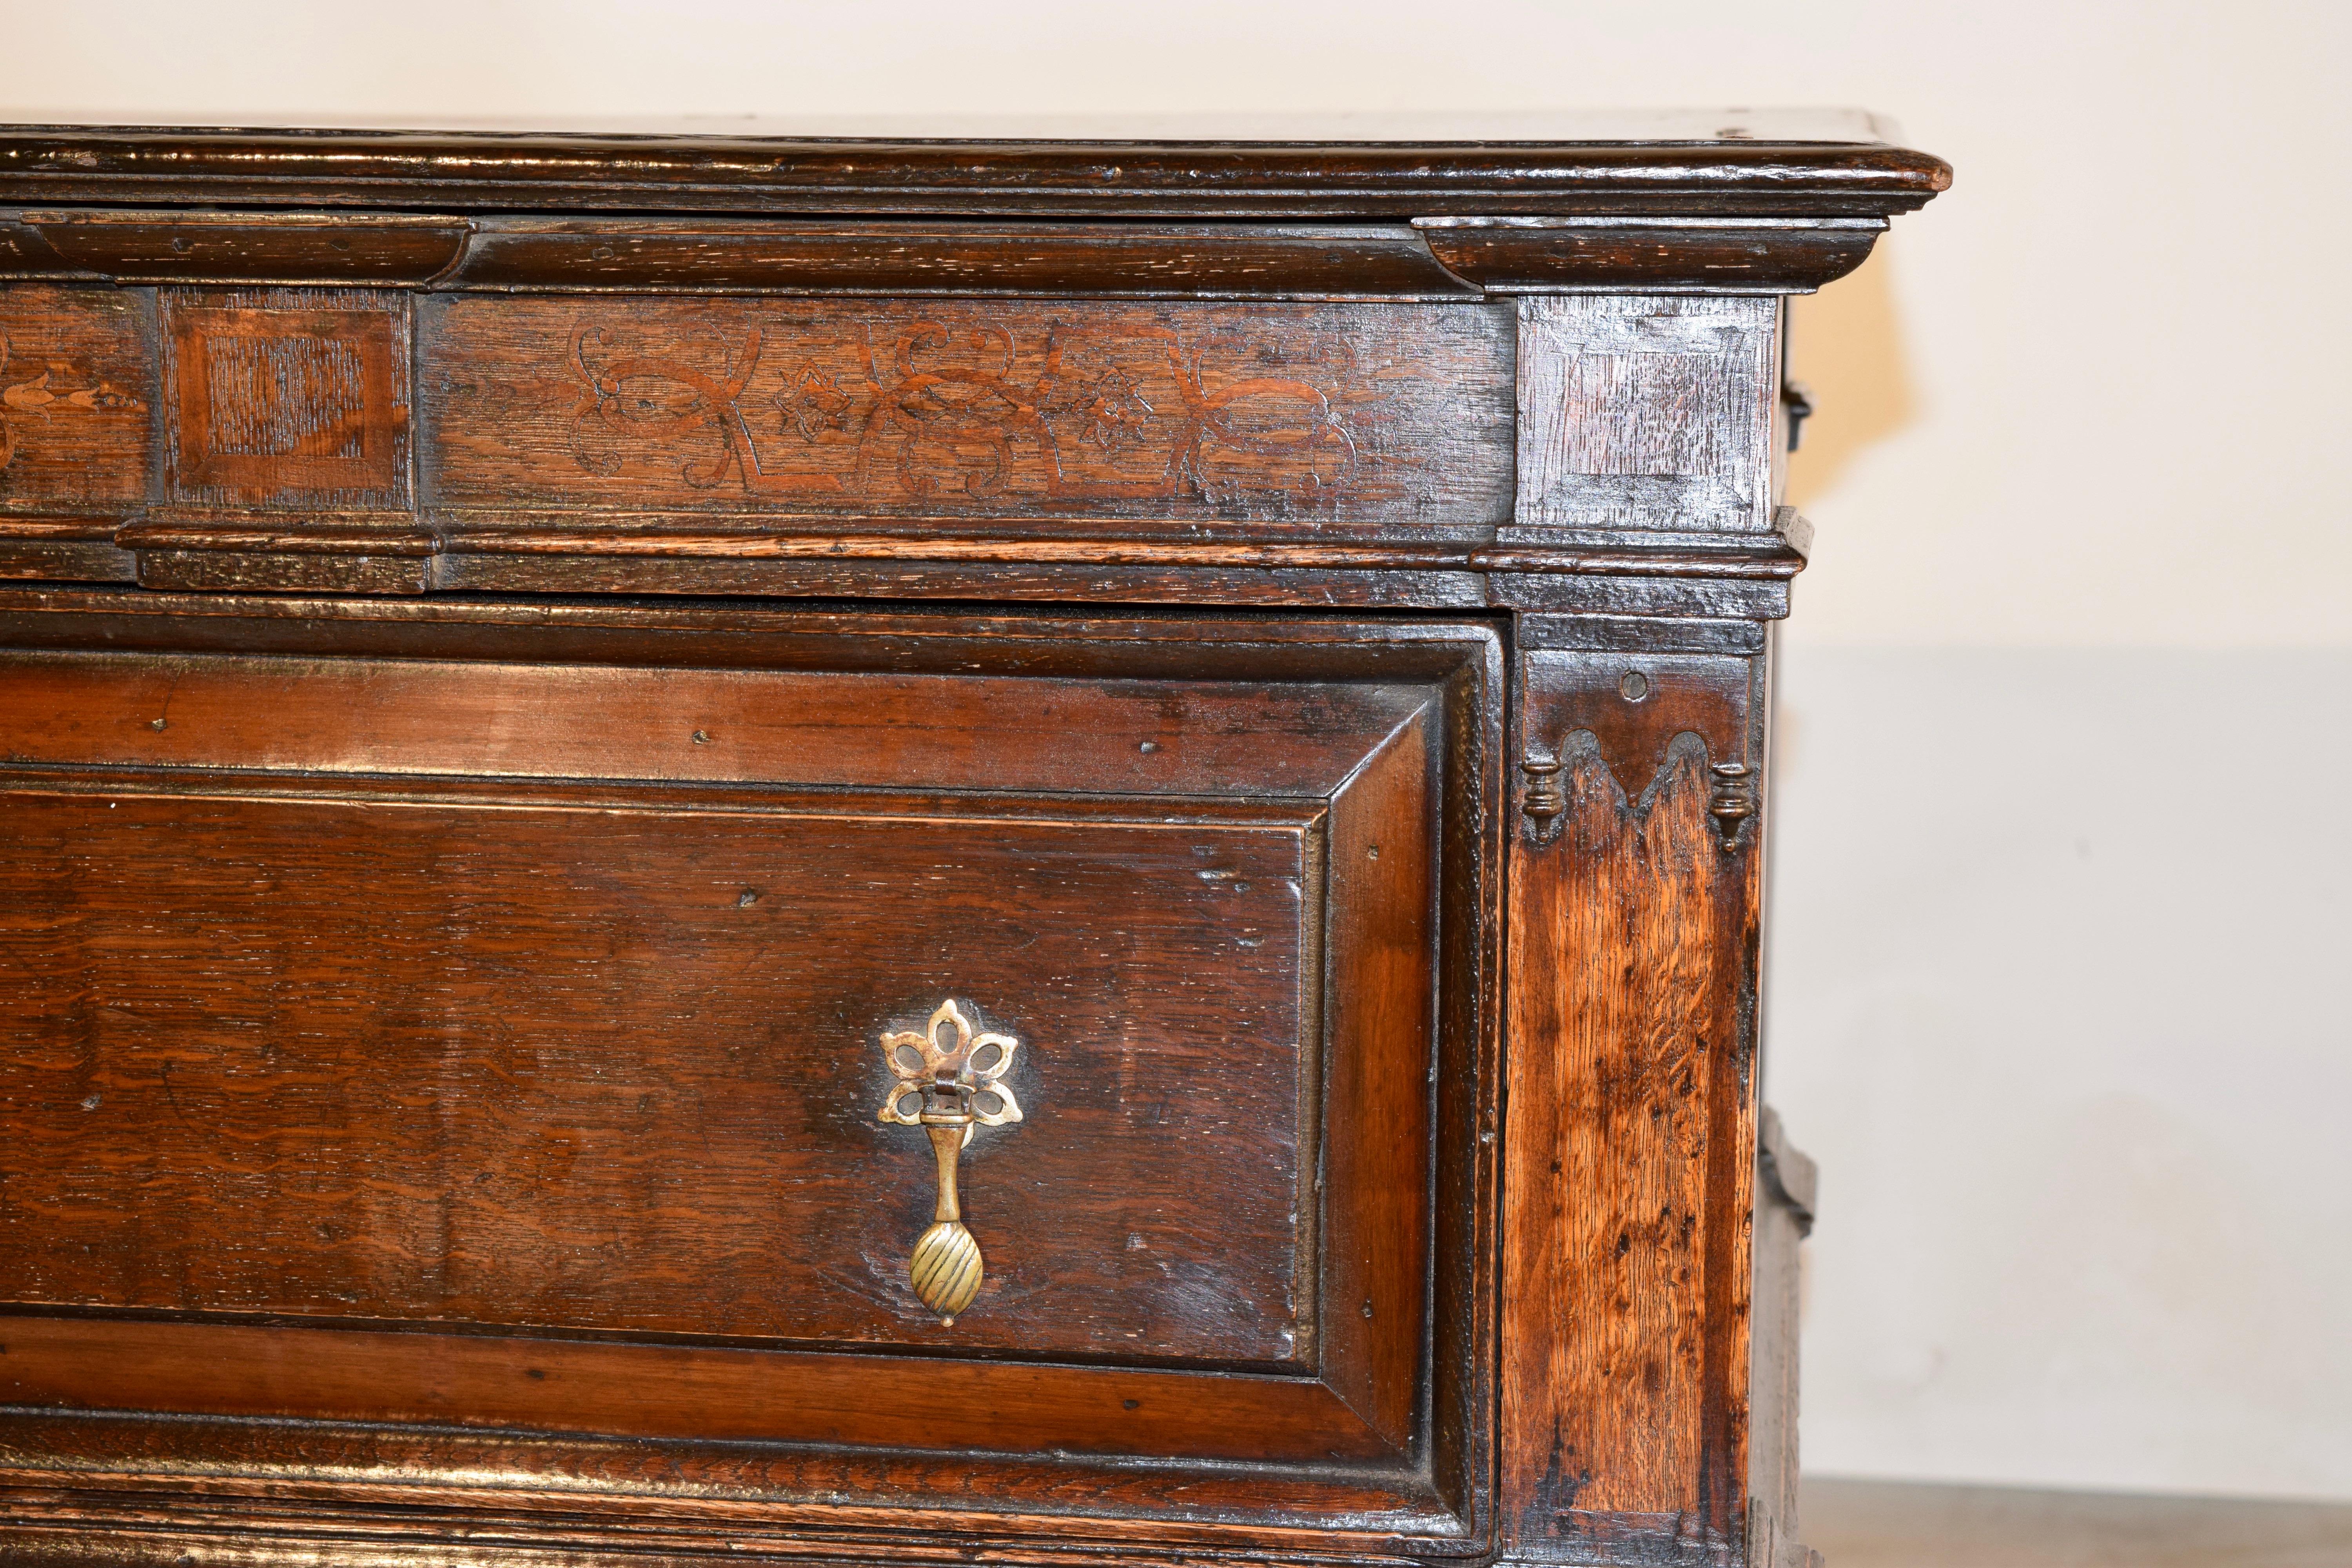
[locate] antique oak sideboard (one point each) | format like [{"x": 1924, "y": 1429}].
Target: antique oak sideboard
[{"x": 750, "y": 851}]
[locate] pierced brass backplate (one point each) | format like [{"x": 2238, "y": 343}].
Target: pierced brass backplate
[{"x": 950, "y": 1084}]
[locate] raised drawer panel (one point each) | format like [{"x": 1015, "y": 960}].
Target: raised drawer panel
[
  {"x": 610, "y": 1064},
  {"x": 408, "y": 1032}
]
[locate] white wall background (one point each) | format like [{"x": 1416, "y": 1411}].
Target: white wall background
[{"x": 2063, "y": 837}]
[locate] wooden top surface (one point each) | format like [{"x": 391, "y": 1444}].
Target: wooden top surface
[{"x": 1688, "y": 162}]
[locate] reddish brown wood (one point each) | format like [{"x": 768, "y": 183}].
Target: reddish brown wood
[
  {"x": 670, "y": 1134},
  {"x": 78, "y": 383},
  {"x": 448, "y": 919},
  {"x": 1376, "y": 1140},
  {"x": 1628, "y": 1163},
  {"x": 287, "y": 397},
  {"x": 1193, "y": 411},
  {"x": 645, "y": 1142},
  {"x": 653, "y": 1391},
  {"x": 813, "y": 730}
]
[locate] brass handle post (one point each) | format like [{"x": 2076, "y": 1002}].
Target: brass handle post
[{"x": 950, "y": 1083}]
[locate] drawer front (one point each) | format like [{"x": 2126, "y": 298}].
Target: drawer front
[
  {"x": 412, "y": 1032},
  {"x": 611, "y": 1062}
]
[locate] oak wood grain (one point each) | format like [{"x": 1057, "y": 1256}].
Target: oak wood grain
[
  {"x": 375, "y": 875},
  {"x": 1646, "y": 410},
  {"x": 79, "y": 378},
  {"x": 450, "y": 902},
  {"x": 1628, "y": 1145},
  {"x": 1204, "y": 411},
  {"x": 604, "y": 1065},
  {"x": 287, "y": 397}
]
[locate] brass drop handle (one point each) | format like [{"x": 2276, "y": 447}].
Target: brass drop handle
[{"x": 950, "y": 1083}]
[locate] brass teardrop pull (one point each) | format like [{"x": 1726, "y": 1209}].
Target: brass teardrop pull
[{"x": 949, "y": 1088}]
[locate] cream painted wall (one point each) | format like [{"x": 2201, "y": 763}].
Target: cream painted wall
[{"x": 2056, "y": 982}]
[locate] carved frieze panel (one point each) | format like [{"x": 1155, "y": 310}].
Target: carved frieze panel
[
  {"x": 77, "y": 394},
  {"x": 1646, "y": 410},
  {"x": 287, "y": 398},
  {"x": 1205, "y": 410}
]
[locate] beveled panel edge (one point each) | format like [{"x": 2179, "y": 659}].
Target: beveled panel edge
[
  {"x": 875, "y": 177},
  {"x": 1469, "y": 257}
]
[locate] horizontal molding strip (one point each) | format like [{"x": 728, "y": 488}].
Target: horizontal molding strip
[
  {"x": 1429, "y": 258},
  {"x": 880, "y": 177},
  {"x": 1773, "y": 557}
]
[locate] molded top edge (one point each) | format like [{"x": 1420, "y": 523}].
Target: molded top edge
[{"x": 1825, "y": 166}]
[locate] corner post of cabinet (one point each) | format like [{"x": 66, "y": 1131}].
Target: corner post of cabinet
[{"x": 1639, "y": 725}]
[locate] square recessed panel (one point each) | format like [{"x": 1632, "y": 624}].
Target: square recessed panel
[
  {"x": 1646, "y": 410},
  {"x": 1651, "y": 415},
  {"x": 294, "y": 398}
]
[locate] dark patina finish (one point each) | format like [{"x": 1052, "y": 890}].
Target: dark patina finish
[{"x": 543, "y": 679}]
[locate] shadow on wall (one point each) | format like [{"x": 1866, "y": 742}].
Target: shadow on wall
[{"x": 1845, "y": 345}]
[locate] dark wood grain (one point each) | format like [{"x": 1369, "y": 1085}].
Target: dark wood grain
[
  {"x": 645, "y": 1142},
  {"x": 1716, "y": 255},
  {"x": 1199, "y": 179},
  {"x": 1435, "y": 257},
  {"x": 79, "y": 387},
  {"x": 667, "y": 1135},
  {"x": 917, "y": 258},
  {"x": 657, "y": 1391},
  {"x": 1201, "y": 411},
  {"x": 1377, "y": 1130},
  {"x": 1292, "y": 738},
  {"x": 449, "y": 907},
  {"x": 1646, "y": 411},
  {"x": 378, "y": 249},
  {"x": 287, "y": 397}
]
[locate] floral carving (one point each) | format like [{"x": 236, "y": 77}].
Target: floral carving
[{"x": 935, "y": 408}]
